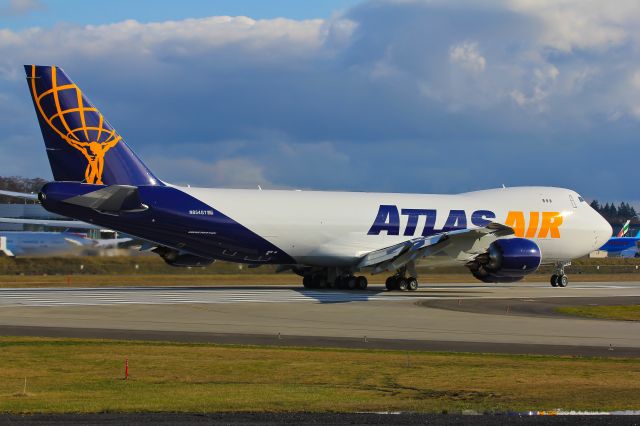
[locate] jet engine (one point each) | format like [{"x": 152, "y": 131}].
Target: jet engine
[
  {"x": 506, "y": 261},
  {"x": 178, "y": 258}
]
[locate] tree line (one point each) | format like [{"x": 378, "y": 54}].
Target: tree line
[{"x": 616, "y": 215}]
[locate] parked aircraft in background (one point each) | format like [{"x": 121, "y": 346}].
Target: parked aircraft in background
[
  {"x": 24, "y": 243},
  {"x": 617, "y": 245},
  {"x": 624, "y": 229},
  {"x": 53, "y": 223},
  {"x": 501, "y": 235}
]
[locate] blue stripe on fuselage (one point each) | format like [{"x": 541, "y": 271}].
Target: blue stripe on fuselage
[{"x": 174, "y": 219}]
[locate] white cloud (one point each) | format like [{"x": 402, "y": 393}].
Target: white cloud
[
  {"x": 467, "y": 55},
  {"x": 370, "y": 99},
  {"x": 252, "y": 40},
  {"x": 21, "y": 7},
  {"x": 225, "y": 173},
  {"x": 583, "y": 24},
  {"x": 635, "y": 80}
]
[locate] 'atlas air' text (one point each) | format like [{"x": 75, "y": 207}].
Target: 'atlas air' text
[{"x": 530, "y": 225}]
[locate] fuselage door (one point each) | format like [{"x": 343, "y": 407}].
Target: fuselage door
[{"x": 573, "y": 202}]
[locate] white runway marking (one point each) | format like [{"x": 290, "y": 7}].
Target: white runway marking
[{"x": 160, "y": 296}]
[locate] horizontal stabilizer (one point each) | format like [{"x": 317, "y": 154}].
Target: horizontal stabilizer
[
  {"x": 114, "y": 198},
  {"x": 22, "y": 195}
]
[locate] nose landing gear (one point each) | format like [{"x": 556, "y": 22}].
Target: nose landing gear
[{"x": 559, "y": 279}]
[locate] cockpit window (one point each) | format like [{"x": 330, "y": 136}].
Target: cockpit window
[
  {"x": 580, "y": 199},
  {"x": 573, "y": 203}
]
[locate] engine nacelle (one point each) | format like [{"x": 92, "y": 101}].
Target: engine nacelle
[
  {"x": 181, "y": 259},
  {"x": 507, "y": 261}
]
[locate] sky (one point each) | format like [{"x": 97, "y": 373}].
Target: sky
[{"x": 425, "y": 96}]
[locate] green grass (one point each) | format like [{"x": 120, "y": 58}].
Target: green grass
[
  {"x": 67, "y": 375},
  {"x": 621, "y": 313}
]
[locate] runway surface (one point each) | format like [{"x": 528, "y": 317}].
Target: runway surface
[
  {"x": 163, "y": 296},
  {"x": 512, "y": 318}
]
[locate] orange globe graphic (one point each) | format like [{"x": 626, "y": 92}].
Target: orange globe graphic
[{"x": 77, "y": 122}]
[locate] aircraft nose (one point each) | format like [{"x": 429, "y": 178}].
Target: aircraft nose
[{"x": 602, "y": 230}]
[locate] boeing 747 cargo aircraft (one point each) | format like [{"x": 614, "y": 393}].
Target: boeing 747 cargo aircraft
[{"x": 500, "y": 235}]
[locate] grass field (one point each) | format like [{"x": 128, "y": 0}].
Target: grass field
[
  {"x": 621, "y": 313},
  {"x": 66, "y": 375}
]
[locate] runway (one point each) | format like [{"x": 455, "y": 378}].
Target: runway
[
  {"x": 512, "y": 318},
  {"x": 172, "y": 295}
]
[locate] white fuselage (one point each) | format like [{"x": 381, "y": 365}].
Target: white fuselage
[{"x": 335, "y": 228}]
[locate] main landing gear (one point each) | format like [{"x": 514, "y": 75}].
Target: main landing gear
[
  {"x": 320, "y": 281},
  {"x": 325, "y": 278},
  {"x": 559, "y": 279},
  {"x": 399, "y": 282}
]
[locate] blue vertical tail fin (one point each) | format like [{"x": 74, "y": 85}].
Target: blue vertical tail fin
[{"x": 81, "y": 144}]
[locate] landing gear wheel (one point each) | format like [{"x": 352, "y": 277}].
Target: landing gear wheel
[
  {"x": 412, "y": 284},
  {"x": 562, "y": 281},
  {"x": 402, "y": 284},
  {"x": 554, "y": 280},
  {"x": 351, "y": 283},
  {"x": 342, "y": 282},
  {"x": 306, "y": 281},
  {"x": 361, "y": 283},
  {"x": 391, "y": 283},
  {"x": 317, "y": 281}
]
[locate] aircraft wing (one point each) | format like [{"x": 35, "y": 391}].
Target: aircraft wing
[
  {"x": 23, "y": 195},
  {"x": 75, "y": 224},
  {"x": 463, "y": 244}
]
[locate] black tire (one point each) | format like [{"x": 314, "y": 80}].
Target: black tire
[
  {"x": 316, "y": 281},
  {"x": 412, "y": 284},
  {"x": 554, "y": 280},
  {"x": 306, "y": 281},
  {"x": 342, "y": 282},
  {"x": 362, "y": 283},
  {"x": 351, "y": 283},
  {"x": 562, "y": 281},
  {"x": 403, "y": 284},
  {"x": 391, "y": 283}
]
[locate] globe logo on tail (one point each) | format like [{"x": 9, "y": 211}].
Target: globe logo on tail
[{"x": 77, "y": 122}]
